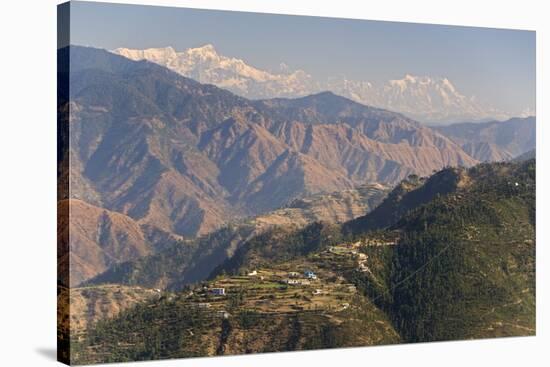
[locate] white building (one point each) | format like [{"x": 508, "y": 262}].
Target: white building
[{"x": 218, "y": 291}]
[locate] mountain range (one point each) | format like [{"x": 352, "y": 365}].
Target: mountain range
[
  {"x": 494, "y": 141},
  {"x": 193, "y": 221},
  {"x": 166, "y": 158},
  {"x": 425, "y": 98}
]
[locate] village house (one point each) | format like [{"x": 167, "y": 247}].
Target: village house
[
  {"x": 252, "y": 273},
  {"x": 310, "y": 275},
  {"x": 218, "y": 291},
  {"x": 223, "y": 314},
  {"x": 317, "y": 292},
  {"x": 292, "y": 281},
  {"x": 293, "y": 274},
  {"x": 204, "y": 305}
]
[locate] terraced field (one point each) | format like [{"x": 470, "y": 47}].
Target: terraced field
[{"x": 259, "y": 312}]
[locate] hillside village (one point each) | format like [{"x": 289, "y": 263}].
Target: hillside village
[
  {"x": 312, "y": 284},
  {"x": 315, "y": 283}
]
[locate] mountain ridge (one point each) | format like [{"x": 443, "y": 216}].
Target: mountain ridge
[
  {"x": 493, "y": 140},
  {"x": 185, "y": 157},
  {"x": 428, "y": 99}
]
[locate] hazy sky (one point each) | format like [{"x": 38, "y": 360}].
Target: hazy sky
[{"x": 495, "y": 65}]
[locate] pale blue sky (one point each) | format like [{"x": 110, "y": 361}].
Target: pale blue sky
[{"x": 495, "y": 65}]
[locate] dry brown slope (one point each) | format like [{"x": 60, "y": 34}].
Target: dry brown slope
[
  {"x": 91, "y": 304},
  {"x": 336, "y": 207},
  {"x": 98, "y": 238}
]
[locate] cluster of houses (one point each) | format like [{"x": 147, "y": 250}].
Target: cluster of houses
[
  {"x": 352, "y": 247},
  {"x": 291, "y": 281},
  {"x": 295, "y": 278},
  {"x": 345, "y": 247},
  {"x": 352, "y": 250},
  {"x": 254, "y": 273},
  {"x": 212, "y": 291},
  {"x": 374, "y": 242}
]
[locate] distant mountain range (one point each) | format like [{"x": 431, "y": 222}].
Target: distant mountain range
[
  {"x": 424, "y": 98},
  {"x": 494, "y": 141},
  {"x": 156, "y": 157}
]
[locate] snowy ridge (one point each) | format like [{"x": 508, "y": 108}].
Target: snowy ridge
[{"x": 427, "y": 99}]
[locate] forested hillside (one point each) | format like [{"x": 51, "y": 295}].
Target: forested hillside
[{"x": 455, "y": 263}]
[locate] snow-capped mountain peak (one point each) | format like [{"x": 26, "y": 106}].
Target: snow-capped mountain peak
[
  {"x": 425, "y": 98},
  {"x": 207, "y": 66},
  {"x": 437, "y": 97},
  {"x": 206, "y": 52},
  {"x": 157, "y": 55}
]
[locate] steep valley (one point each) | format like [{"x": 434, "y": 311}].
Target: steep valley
[{"x": 187, "y": 262}]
